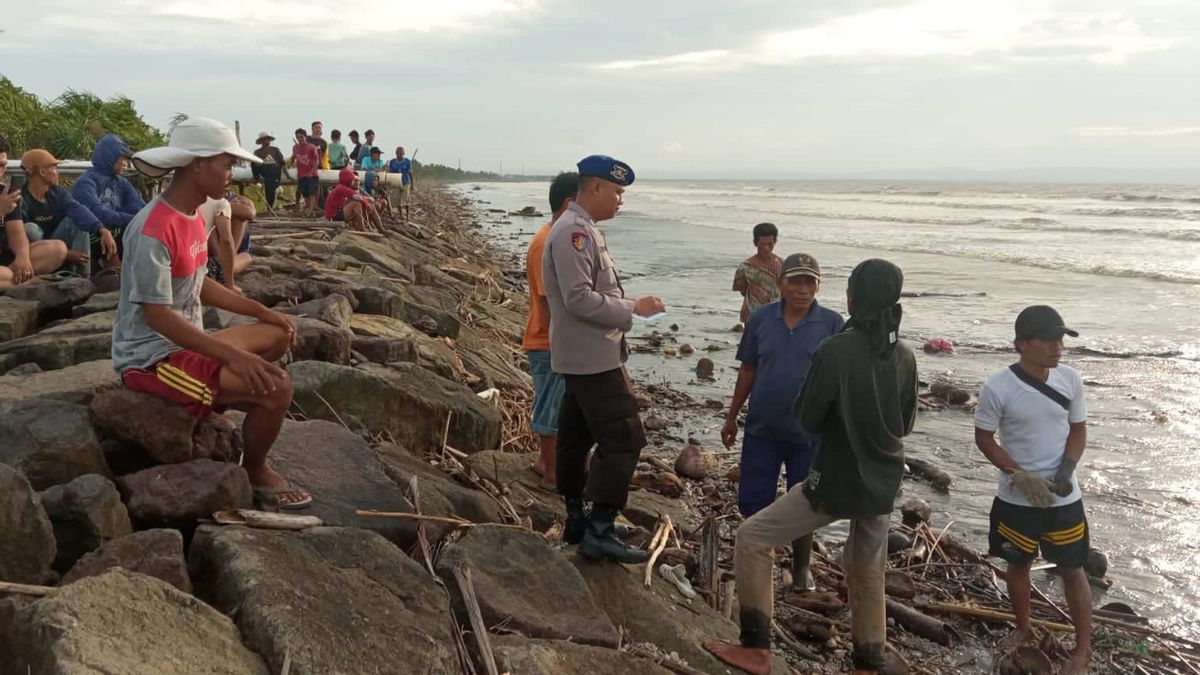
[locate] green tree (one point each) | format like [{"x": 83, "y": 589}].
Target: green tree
[{"x": 70, "y": 125}]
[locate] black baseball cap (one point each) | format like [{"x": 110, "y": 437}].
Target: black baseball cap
[
  {"x": 800, "y": 264},
  {"x": 1041, "y": 322}
]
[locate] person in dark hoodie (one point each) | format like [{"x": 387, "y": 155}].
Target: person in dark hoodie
[
  {"x": 55, "y": 212},
  {"x": 861, "y": 396},
  {"x": 105, "y": 192}
]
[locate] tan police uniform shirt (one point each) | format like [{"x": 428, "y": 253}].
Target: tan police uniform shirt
[{"x": 589, "y": 313}]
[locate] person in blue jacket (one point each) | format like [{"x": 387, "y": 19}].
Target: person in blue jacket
[{"x": 105, "y": 192}]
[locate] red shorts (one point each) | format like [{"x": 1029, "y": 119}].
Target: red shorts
[{"x": 185, "y": 377}]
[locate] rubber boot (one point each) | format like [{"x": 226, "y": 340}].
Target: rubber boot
[
  {"x": 802, "y": 578},
  {"x": 600, "y": 540},
  {"x": 576, "y": 521}
]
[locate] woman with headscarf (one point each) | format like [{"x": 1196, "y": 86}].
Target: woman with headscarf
[{"x": 861, "y": 396}]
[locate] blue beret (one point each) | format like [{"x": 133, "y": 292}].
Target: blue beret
[{"x": 603, "y": 166}]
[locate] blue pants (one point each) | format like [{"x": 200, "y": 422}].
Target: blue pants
[
  {"x": 548, "y": 389},
  {"x": 75, "y": 238},
  {"x": 762, "y": 458}
]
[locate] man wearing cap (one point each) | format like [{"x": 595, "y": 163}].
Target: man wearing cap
[
  {"x": 56, "y": 214},
  {"x": 589, "y": 316},
  {"x": 1038, "y": 407},
  {"x": 861, "y": 396},
  {"x": 776, "y": 351},
  {"x": 272, "y": 164},
  {"x": 159, "y": 345},
  {"x": 106, "y": 192},
  {"x": 21, "y": 258}
]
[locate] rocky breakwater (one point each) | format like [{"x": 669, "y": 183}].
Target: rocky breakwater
[{"x": 124, "y": 544}]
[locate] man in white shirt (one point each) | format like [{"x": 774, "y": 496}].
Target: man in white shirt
[{"x": 1038, "y": 408}]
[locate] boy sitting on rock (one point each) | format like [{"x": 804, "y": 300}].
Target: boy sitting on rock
[{"x": 159, "y": 345}]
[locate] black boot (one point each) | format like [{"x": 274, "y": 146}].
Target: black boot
[
  {"x": 576, "y": 521},
  {"x": 600, "y": 540}
]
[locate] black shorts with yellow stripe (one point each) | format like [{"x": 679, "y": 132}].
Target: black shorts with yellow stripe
[{"x": 1060, "y": 532}]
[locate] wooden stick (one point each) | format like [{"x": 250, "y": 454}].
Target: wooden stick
[
  {"x": 792, "y": 642},
  {"x": 462, "y": 576},
  {"x": 422, "y": 541},
  {"x": 664, "y": 530},
  {"x": 728, "y": 591},
  {"x": 993, "y": 615},
  {"x": 453, "y": 520},
  {"x": 26, "y": 589},
  {"x": 446, "y": 432}
]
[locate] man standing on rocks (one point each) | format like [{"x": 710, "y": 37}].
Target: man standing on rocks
[
  {"x": 307, "y": 160},
  {"x": 159, "y": 345},
  {"x": 776, "y": 351},
  {"x": 547, "y": 384},
  {"x": 861, "y": 396},
  {"x": 1038, "y": 407},
  {"x": 589, "y": 316}
]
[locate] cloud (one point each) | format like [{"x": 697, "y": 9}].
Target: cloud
[
  {"x": 1113, "y": 132},
  {"x": 671, "y": 147},
  {"x": 931, "y": 28}
]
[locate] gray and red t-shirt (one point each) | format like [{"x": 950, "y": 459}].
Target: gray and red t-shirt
[{"x": 166, "y": 253}]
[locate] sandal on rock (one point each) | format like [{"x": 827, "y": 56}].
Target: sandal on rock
[
  {"x": 677, "y": 575},
  {"x": 269, "y": 497}
]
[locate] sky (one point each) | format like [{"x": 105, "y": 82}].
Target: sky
[{"x": 750, "y": 89}]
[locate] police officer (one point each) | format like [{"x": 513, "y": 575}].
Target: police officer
[{"x": 589, "y": 316}]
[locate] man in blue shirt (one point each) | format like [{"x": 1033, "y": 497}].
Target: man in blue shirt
[
  {"x": 776, "y": 352},
  {"x": 403, "y": 166}
]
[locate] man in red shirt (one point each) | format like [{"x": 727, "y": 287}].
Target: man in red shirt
[
  {"x": 307, "y": 159},
  {"x": 547, "y": 385},
  {"x": 345, "y": 204}
]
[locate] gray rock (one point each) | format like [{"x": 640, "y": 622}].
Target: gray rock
[
  {"x": 318, "y": 341},
  {"x": 51, "y": 442},
  {"x": 27, "y": 546},
  {"x": 18, "y": 318},
  {"x": 440, "y": 322},
  {"x": 155, "y": 553},
  {"x": 337, "y": 599},
  {"x": 516, "y": 654},
  {"x": 403, "y": 400},
  {"x": 25, "y": 369},
  {"x": 432, "y": 354},
  {"x": 122, "y": 622},
  {"x": 269, "y": 289},
  {"x": 86, "y": 513},
  {"x": 375, "y": 300},
  {"x": 334, "y": 310},
  {"x": 73, "y": 384},
  {"x": 100, "y": 302},
  {"x": 386, "y": 349},
  {"x": 164, "y": 431},
  {"x": 55, "y": 300},
  {"x": 377, "y": 253},
  {"x": 65, "y": 344},
  {"x": 528, "y": 585},
  {"x": 181, "y": 494}
]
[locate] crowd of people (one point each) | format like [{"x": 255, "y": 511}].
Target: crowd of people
[
  {"x": 830, "y": 400},
  {"x": 49, "y": 229}
]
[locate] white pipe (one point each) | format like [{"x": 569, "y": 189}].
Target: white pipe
[{"x": 241, "y": 174}]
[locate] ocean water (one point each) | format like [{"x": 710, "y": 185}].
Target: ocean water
[{"x": 1120, "y": 262}]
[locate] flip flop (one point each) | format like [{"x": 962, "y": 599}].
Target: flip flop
[
  {"x": 269, "y": 497},
  {"x": 677, "y": 575}
]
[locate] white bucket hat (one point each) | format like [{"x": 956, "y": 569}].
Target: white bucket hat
[{"x": 194, "y": 138}]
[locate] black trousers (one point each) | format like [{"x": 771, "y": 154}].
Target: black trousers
[
  {"x": 598, "y": 409},
  {"x": 270, "y": 188}
]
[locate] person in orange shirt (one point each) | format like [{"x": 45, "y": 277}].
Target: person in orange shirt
[{"x": 548, "y": 386}]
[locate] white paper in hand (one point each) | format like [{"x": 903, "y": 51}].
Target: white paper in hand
[{"x": 652, "y": 317}]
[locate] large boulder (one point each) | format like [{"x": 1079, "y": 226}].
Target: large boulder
[
  {"x": 18, "y": 318},
  {"x": 318, "y": 341},
  {"x": 386, "y": 349},
  {"x": 517, "y": 654},
  {"x": 65, "y": 344},
  {"x": 526, "y": 584},
  {"x": 128, "y": 623},
  {"x": 334, "y": 310},
  {"x": 51, "y": 442},
  {"x": 336, "y": 600},
  {"x": 435, "y": 322},
  {"x": 377, "y": 253},
  {"x": 403, "y": 399},
  {"x": 181, "y": 494},
  {"x": 27, "y": 546},
  {"x": 55, "y": 300},
  {"x": 100, "y": 302},
  {"x": 433, "y": 354},
  {"x": 164, "y": 431},
  {"x": 344, "y": 474},
  {"x": 156, "y": 553},
  {"x": 73, "y": 384},
  {"x": 268, "y": 288},
  {"x": 86, "y": 513}
]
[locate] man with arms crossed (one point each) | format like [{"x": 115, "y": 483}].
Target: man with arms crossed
[
  {"x": 1038, "y": 407},
  {"x": 547, "y": 384},
  {"x": 776, "y": 351},
  {"x": 159, "y": 345},
  {"x": 589, "y": 316}
]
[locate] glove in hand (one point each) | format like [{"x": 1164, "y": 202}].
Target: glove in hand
[
  {"x": 1062, "y": 477},
  {"x": 1035, "y": 488}
]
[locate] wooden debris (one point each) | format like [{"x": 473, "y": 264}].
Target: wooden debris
[{"x": 266, "y": 520}]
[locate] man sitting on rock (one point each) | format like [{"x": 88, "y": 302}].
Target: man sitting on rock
[
  {"x": 228, "y": 224},
  {"x": 159, "y": 345},
  {"x": 346, "y": 204},
  {"x": 105, "y": 192},
  {"x": 21, "y": 255}
]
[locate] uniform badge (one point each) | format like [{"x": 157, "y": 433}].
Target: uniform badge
[
  {"x": 618, "y": 172},
  {"x": 580, "y": 241}
]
